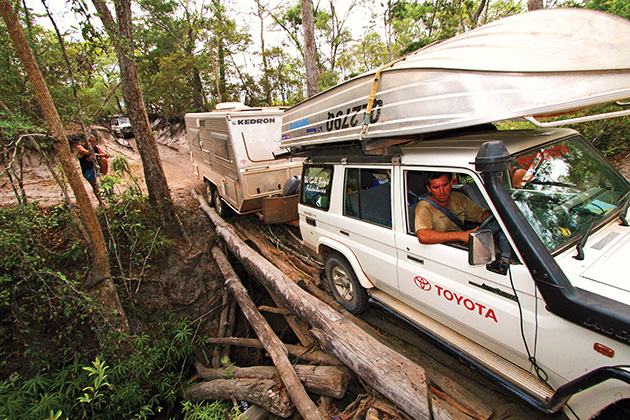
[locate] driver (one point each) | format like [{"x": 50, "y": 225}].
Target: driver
[{"x": 432, "y": 225}]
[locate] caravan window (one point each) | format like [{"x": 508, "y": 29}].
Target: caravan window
[
  {"x": 221, "y": 145},
  {"x": 194, "y": 138},
  {"x": 367, "y": 195}
]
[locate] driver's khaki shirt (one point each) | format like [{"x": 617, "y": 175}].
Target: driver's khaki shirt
[{"x": 428, "y": 217}]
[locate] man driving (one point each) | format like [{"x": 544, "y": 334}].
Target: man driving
[{"x": 433, "y": 225}]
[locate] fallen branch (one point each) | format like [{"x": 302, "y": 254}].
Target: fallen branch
[
  {"x": 272, "y": 343},
  {"x": 255, "y": 412},
  {"x": 393, "y": 375},
  {"x": 329, "y": 381},
  {"x": 267, "y": 393},
  {"x": 299, "y": 352}
]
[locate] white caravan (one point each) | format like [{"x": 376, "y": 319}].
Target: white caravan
[{"x": 233, "y": 151}]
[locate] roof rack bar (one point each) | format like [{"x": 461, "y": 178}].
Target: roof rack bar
[{"x": 577, "y": 120}]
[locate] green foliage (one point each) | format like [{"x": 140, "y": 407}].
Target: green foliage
[
  {"x": 209, "y": 411},
  {"x": 41, "y": 309},
  {"x": 33, "y": 239},
  {"x": 414, "y": 24},
  {"x": 134, "y": 230},
  {"x": 94, "y": 393},
  {"x": 616, "y": 7},
  {"x": 609, "y": 136},
  {"x": 12, "y": 126},
  {"x": 229, "y": 366},
  {"x": 145, "y": 381}
]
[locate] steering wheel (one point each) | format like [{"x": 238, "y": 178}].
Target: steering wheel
[{"x": 486, "y": 222}]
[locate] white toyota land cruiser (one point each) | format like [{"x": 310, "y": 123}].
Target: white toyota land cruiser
[{"x": 554, "y": 324}]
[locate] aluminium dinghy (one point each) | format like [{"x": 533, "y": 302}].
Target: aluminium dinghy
[{"x": 532, "y": 64}]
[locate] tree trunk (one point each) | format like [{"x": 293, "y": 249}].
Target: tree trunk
[
  {"x": 393, "y": 375},
  {"x": 197, "y": 90},
  {"x": 535, "y": 5},
  {"x": 101, "y": 287},
  {"x": 121, "y": 35},
  {"x": 267, "y": 393},
  {"x": 310, "y": 53}
]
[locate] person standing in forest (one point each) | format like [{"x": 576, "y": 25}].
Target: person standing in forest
[{"x": 86, "y": 153}]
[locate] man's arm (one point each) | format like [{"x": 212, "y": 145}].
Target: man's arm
[
  {"x": 100, "y": 153},
  {"x": 486, "y": 213},
  {"x": 82, "y": 151},
  {"x": 428, "y": 236}
]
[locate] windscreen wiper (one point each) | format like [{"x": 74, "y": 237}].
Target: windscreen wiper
[{"x": 580, "y": 245}]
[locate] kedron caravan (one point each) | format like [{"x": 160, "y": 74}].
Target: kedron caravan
[
  {"x": 232, "y": 150},
  {"x": 535, "y": 292}
]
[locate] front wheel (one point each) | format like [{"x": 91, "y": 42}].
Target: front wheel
[
  {"x": 219, "y": 205},
  {"x": 344, "y": 284}
]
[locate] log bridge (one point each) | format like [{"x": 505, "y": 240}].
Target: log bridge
[{"x": 336, "y": 345}]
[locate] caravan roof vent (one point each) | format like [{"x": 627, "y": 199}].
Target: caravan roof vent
[{"x": 231, "y": 105}]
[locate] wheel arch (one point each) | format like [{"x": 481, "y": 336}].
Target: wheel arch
[{"x": 327, "y": 245}]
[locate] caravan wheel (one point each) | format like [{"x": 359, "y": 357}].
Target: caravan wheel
[
  {"x": 208, "y": 192},
  {"x": 219, "y": 205}
]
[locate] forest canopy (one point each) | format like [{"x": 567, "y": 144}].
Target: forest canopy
[{"x": 193, "y": 54}]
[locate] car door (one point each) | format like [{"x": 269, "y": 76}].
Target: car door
[
  {"x": 438, "y": 281},
  {"x": 365, "y": 222}
]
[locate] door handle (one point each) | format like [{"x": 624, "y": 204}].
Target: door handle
[
  {"x": 343, "y": 232},
  {"x": 415, "y": 259}
]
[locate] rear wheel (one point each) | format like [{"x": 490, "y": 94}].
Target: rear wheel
[
  {"x": 219, "y": 205},
  {"x": 208, "y": 194},
  {"x": 344, "y": 284}
]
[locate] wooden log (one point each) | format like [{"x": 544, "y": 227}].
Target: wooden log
[
  {"x": 267, "y": 393},
  {"x": 299, "y": 352},
  {"x": 393, "y": 375},
  {"x": 255, "y": 412},
  {"x": 273, "y": 310},
  {"x": 443, "y": 410},
  {"x": 223, "y": 323},
  {"x": 272, "y": 343},
  {"x": 448, "y": 404},
  {"x": 231, "y": 326},
  {"x": 469, "y": 402},
  {"x": 329, "y": 381},
  {"x": 268, "y": 251},
  {"x": 299, "y": 327}
]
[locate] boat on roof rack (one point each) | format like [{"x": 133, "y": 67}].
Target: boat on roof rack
[{"x": 530, "y": 65}]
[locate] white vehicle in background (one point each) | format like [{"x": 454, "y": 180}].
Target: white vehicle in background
[
  {"x": 233, "y": 151},
  {"x": 121, "y": 126}
]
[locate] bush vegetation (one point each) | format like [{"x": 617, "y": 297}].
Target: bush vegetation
[{"x": 52, "y": 365}]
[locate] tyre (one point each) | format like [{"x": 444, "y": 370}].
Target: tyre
[
  {"x": 344, "y": 285},
  {"x": 219, "y": 205},
  {"x": 208, "y": 192},
  {"x": 292, "y": 186}
]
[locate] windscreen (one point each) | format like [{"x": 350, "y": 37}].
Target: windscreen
[{"x": 564, "y": 188}]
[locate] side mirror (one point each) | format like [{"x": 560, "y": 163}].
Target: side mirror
[{"x": 481, "y": 247}]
